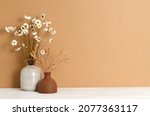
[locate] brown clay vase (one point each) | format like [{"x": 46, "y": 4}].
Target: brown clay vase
[{"x": 47, "y": 84}]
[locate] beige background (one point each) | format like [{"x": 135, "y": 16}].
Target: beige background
[{"x": 107, "y": 41}]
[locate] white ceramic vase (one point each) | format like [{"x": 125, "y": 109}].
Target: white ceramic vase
[{"x": 29, "y": 77}]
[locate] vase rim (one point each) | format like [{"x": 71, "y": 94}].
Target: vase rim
[
  {"x": 30, "y": 61},
  {"x": 47, "y": 72}
]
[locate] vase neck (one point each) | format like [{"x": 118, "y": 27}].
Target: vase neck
[
  {"x": 31, "y": 61},
  {"x": 47, "y": 74}
]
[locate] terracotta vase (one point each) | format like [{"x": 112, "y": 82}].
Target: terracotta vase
[{"x": 47, "y": 84}]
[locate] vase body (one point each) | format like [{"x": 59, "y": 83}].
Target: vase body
[
  {"x": 29, "y": 77},
  {"x": 47, "y": 84}
]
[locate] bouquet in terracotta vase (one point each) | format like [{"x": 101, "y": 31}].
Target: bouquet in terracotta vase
[
  {"x": 48, "y": 84},
  {"x": 47, "y": 64}
]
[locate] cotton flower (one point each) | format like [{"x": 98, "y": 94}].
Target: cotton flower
[
  {"x": 10, "y": 29},
  {"x": 43, "y": 16},
  {"x": 39, "y": 26},
  {"x": 37, "y": 23},
  {"x": 46, "y": 29},
  {"x": 42, "y": 52},
  {"x": 39, "y": 39},
  {"x": 25, "y": 26},
  {"x": 16, "y": 33},
  {"x": 7, "y": 30},
  {"x": 50, "y": 29},
  {"x": 34, "y": 33},
  {"x": 27, "y": 17},
  {"x": 14, "y": 43},
  {"x": 53, "y": 32},
  {"x": 17, "y": 49},
  {"x": 19, "y": 33},
  {"x": 50, "y": 40},
  {"x": 47, "y": 23},
  {"x": 33, "y": 20},
  {"x": 35, "y": 37},
  {"x": 25, "y": 32}
]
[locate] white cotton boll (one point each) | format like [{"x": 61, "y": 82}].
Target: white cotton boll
[
  {"x": 38, "y": 23},
  {"x": 27, "y": 17},
  {"x": 17, "y": 49},
  {"x": 53, "y": 32},
  {"x": 34, "y": 33},
  {"x": 47, "y": 23},
  {"x": 14, "y": 43},
  {"x": 46, "y": 29},
  {"x": 25, "y": 32},
  {"x": 50, "y": 29},
  {"x": 25, "y": 26},
  {"x": 39, "y": 39},
  {"x": 22, "y": 27},
  {"x": 35, "y": 37},
  {"x": 39, "y": 26},
  {"x": 43, "y": 16},
  {"x": 20, "y": 33},
  {"x": 12, "y": 28},
  {"x": 7, "y": 29},
  {"x": 42, "y": 52},
  {"x": 50, "y": 40},
  {"x": 16, "y": 33},
  {"x": 33, "y": 20}
]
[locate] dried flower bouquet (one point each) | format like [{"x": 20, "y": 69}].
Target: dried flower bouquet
[
  {"x": 33, "y": 38},
  {"x": 31, "y": 35}
]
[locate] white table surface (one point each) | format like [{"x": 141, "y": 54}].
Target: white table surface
[{"x": 79, "y": 93}]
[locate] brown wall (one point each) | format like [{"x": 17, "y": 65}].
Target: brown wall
[{"x": 107, "y": 41}]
